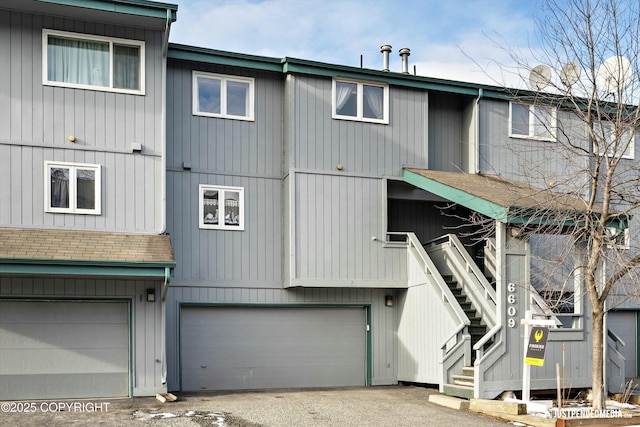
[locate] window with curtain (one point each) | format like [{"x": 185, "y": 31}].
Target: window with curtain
[
  {"x": 93, "y": 62},
  {"x": 367, "y": 102},
  {"x": 72, "y": 188},
  {"x": 217, "y": 95},
  {"x": 221, "y": 207}
]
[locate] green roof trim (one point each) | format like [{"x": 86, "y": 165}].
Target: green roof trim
[
  {"x": 219, "y": 57},
  {"x": 151, "y": 9},
  {"x": 485, "y": 207},
  {"x": 47, "y": 267},
  {"x": 505, "y": 200}
]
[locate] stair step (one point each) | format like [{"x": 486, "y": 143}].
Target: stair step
[
  {"x": 477, "y": 330},
  {"x": 469, "y": 371},
  {"x": 463, "y": 380},
  {"x": 458, "y": 391}
]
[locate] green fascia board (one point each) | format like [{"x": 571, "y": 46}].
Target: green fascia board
[
  {"x": 85, "y": 268},
  {"x": 460, "y": 197},
  {"x": 300, "y": 66},
  {"x": 219, "y": 57},
  {"x": 151, "y": 9}
]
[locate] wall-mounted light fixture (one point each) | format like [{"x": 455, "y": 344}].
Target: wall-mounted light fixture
[
  {"x": 151, "y": 295},
  {"x": 388, "y": 300}
]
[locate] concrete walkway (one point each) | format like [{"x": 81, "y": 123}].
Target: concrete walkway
[{"x": 371, "y": 406}]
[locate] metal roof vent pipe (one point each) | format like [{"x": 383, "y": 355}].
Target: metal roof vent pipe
[
  {"x": 385, "y": 49},
  {"x": 404, "y": 53}
]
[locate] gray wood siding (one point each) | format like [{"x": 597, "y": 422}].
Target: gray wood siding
[
  {"x": 36, "y": 124},
  {"x": 447, "y": 147},
  {"x": 336, "y": 220},
  {"x": 530, "y": 160},
  {"x": 214, "y": 257},
  {"x": 320, "y": 142},
  {"x": 383, "y": 319},
  {"x": 232, "y": 153},
  {"x": 146, "y": 317}
]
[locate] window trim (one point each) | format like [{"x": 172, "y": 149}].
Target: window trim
[
  {"x": 221, "y": 190},
  {"x": 73, "y": 167},
  {"x": 532, "y": 135},
  {"x": 224, "y": 78},
  {"x": 111, "y": 40},
  {"x": 360, "y": 101},
  {"x": 629, "y": 154},
  {"x": 625, "y": 242}
]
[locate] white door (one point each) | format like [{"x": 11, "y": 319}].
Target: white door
[
  {"x": 225, "y": 348},
  {"x": 63, "y": 349}
]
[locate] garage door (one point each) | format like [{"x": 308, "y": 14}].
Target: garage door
[
  {"x": 226, "y": 348},
  {"x": 63, "y": 349},
  {"x": 623, "y": 323}
]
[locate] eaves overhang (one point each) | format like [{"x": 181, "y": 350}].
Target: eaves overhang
[
  {"x": 78, "y": 268},
  {"x": 69, "y": 253},
  {"x": 508, "y": 201},
  {"x": 219, "y": 57},
  {"x": 145, "y": 8}
]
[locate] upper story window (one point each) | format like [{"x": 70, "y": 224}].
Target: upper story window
[
  {"x": 532, "y": 121},
  {"x": 72, "y": 188},
  {"x": 361, "y": 101},
  {"x": 625, "y": 142},
  {"x": 217, "y": 95},
  {"x": 221, "y": 207},
  {"x": 93, "y": 62}
]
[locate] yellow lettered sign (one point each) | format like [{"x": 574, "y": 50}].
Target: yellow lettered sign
[{"x": 537, "y": 346}]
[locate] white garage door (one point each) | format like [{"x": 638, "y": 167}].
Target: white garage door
[
  {"x": 63, "y": 349},
  {"x": 226, "y": 348},
  {"x": 623, "y": 323}
]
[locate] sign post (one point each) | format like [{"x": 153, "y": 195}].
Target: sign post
[{"x": 534, "y": 346}]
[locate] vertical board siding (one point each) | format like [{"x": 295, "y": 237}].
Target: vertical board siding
[
  {"x": 105, "y": 124},
  {"x": 530, "y": 160},
  {"x": 320, "y": 142},
  {"x": 383, "y": 319},
  {"x": 226, "y": 152},
  {"x": 336, "y": 220},
  {"x": 146, "y": 325}
]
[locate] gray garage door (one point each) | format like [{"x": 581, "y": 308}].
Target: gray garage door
[
  {"x": 226, "y": 348},
  {"x": 623, "y": 323},
  {"x": 63, "y": 349}
]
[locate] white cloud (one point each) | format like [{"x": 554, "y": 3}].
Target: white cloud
[{"x": 338, "y": 32}]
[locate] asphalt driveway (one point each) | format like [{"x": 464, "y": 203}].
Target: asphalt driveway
[{"x": 371, "y": 406}]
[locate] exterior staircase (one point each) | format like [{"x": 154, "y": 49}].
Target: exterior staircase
[{"x": 463, "y": 384}]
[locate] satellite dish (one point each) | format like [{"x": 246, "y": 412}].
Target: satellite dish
[
  {"x": 570, "y": 74},
  {"x": 539, "y": 77},
  {"x": 613, "y": 74}
]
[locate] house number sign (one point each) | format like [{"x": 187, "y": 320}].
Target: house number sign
[{"x": 511, "y": 305}]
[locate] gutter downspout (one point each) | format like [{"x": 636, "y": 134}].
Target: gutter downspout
[{"x": 476, "y": 144}]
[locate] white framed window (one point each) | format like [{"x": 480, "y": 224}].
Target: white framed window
[
  {"x": 627, "y": 140},
  {"x": 619, "y": 238},
  {"x": 72, "y": 188},
  {"x": 360, "y": 101},
  {"x": 221, "y": 207},
  {"x": 217, "y": 95},
  {"x": 92, "y": 62},
  {"x": 532, "y": 121}
]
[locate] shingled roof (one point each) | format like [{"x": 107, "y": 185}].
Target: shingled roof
[
  {"x": 25, "y": 251},
  {"x": 497, "y": 197}
]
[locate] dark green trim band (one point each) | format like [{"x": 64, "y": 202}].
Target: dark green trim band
[
  {"x": 151, "y": 9},
  {"x": 212, "y": 56},
  {"x": 53, "y": 269}
]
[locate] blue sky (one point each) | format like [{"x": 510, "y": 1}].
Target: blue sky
[{"x": 453, "y": 39}]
